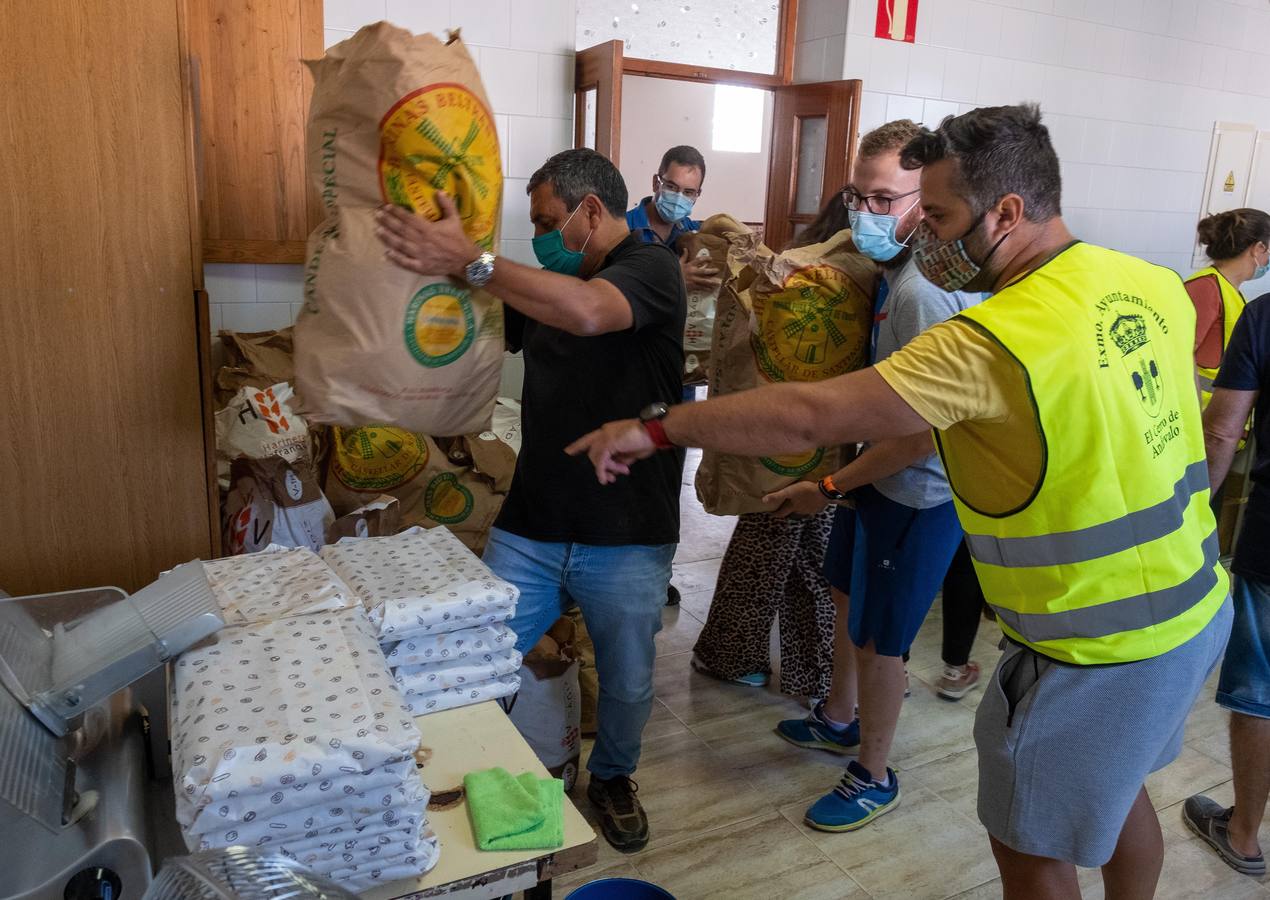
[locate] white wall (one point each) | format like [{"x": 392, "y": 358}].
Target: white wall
[
  {"x": 658, "y": 113},
  {"x": 524, "y": 51},
  {"x": 1130, "y": 90}
]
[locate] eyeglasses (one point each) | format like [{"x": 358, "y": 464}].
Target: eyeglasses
[
  {"x": 875, "y": 203},
  {"x": 690, "y": 193}
]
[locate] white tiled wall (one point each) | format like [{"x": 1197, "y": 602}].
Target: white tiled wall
[
  {"x": 1130, "y": 90},
  {"x": 524, "y": 50},
  {"x": 820, "y": 40}
]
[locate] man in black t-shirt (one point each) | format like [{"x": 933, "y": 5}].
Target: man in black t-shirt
[
  {"x": 1242, "y": 384},
  {"x": 602, "y": 333}
]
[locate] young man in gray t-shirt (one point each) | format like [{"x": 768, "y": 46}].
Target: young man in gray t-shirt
[{"x": 888, "y": 556}]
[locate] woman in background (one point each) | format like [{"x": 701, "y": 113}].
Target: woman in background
[
  {"x": 1238, "y": 243},
  {"x": 772, "y": 568}
]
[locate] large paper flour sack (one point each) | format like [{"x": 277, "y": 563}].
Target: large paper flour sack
[
  {"x": 801, "y": 315},
  {"x": 394, "y": 118}
]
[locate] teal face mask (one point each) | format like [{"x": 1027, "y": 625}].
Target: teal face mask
[{"x": 554, "y": 256}]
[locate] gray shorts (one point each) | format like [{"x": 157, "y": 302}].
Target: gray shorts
[{"x": 1064, "y": 750}]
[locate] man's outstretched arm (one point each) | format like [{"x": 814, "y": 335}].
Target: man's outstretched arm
[{"x": 768, "y": 421}]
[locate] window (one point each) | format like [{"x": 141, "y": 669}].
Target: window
[
  {"x": 738, "y": 34},
  {"x": 738, "y": 119}
]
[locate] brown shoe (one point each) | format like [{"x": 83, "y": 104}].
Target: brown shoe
[
  {"x": 957, "y": 681},
  {"x": 622, "y": 818}
]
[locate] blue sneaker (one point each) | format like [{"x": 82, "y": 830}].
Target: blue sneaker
[
  {"x": 754, "y": 679},
  {"x": 855, "y": 802},
  {"x": 815, "y": 732}
]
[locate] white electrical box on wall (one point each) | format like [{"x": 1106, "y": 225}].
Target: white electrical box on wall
[{"x": 1235, "y": 150}]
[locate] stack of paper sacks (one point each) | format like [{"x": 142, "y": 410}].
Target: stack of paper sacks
[
  {"x": 293, "y": 736},
  {"x": 440, "y": 614}
]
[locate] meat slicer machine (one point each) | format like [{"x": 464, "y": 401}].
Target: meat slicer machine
[{"x": 78, "y": 671}]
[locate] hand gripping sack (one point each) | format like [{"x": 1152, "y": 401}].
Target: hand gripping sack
[
  {"x": 394, "y": 118},
  {"x": 709, "y": 244},
  {"x": 801, "y": 315}
]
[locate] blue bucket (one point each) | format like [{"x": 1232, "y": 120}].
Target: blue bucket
[{"x": 619, "y": 889}]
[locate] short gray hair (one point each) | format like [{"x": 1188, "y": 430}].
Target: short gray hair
[{"x": 573, "y": 174}]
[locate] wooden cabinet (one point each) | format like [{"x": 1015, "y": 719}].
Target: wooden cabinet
[
  {"x": 103, "y": 472},
  {"x": 251, "y": 103}
]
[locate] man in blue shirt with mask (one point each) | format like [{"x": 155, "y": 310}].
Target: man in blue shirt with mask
[
  {"x": 663, "y": 216},
  {"x": 601, "y": 325}
]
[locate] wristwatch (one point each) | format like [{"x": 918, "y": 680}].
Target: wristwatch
[
  {"x": 479, "y": 271},
  {"x": 650, "y": 417},
  {"x": 830, "y": 490}
]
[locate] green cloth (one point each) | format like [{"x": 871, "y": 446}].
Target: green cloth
[{"x": 521, "y": 813}]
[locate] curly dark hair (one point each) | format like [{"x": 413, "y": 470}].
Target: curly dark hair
[
  {"x": 999, "y": 150},
  {"x": 1225, "y": 235}
]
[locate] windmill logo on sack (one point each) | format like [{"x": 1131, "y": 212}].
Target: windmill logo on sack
[
  {"x": 812, "y": 328},
  {"x": 442, "y": 138}
]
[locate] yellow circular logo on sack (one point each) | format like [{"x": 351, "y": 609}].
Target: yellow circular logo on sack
[
  {"x": 442, "y": 138},
  {"x": 440, "y": 324},
  {"x": 794, "y": 465},
  {"x": 376, "y": 458},
  {"x": 446, "y": 501},
  {"x": 815, "y": 327}
]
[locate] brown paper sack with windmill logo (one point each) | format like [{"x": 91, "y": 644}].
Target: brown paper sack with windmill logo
[
  {"x": 801, "y": 315},
  {"x": 396, "y": 117}
]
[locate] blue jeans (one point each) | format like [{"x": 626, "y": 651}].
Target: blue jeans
[
  {"x": 621, "y": 592},
  {"x": 1244, "y": 685}
]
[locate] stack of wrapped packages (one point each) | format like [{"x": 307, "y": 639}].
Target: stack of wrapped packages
[
  {"x": 275, "y": 583},
  {"x": 439, "y": 614},
  {"x": 292, "y": 735}
]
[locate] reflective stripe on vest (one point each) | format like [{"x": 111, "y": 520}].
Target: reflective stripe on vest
[
  {"x": 1104, "y": 539},
  {"x": 1116, "y": 616}
]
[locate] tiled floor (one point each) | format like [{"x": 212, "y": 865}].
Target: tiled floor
[{"x": 725, "y": 796}]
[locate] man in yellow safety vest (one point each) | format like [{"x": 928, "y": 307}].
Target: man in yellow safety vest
[{"x": 1066, "y": 414}]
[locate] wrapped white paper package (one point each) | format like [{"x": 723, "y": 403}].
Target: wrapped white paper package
[
  {"x": 450, "y": 645},
  {"x": 275, "y": 583},
  {"x": 330, "y": 790},
  {"x": 449, "y": 698},
  {"x": 265, "y": 705},
  {"x": 457, "y": 673},
  {"x": 419, "y": 582},
  {"x": 356, "y": 857},
  {"x": 403, "y": 804}
]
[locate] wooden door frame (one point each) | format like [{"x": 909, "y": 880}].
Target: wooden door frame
[{"x": 778, "y": 214}]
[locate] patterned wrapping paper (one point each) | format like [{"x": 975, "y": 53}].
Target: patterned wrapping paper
[
  {"x": 269, "y": 706},
  {"x": 331, "y": 790},
  {"x": 275, "y": 583},
  {"x": 449, "y": 698},
  {"x": 399, "y": 806},
  {"x": 420, "y": 582},
  {"x": 451, "y": 645},
  {"x": 476, "y": 669},
  {"x": 363, "y": 861}
]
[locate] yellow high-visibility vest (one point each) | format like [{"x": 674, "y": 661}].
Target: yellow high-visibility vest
[
  {"x": 1232, "y": 307},
  {"x": 1113, "y": 558}
]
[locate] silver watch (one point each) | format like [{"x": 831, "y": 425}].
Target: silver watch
[{"x": 479, "y": 271}]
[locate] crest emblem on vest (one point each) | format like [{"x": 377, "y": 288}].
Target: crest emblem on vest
[{"x": 1130, "y": 336}]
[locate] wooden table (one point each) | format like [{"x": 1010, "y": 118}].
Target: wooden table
[{"x": 465, "y": 740}]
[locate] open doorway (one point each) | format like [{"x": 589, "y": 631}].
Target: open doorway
[{"x": 730, "y": 124}]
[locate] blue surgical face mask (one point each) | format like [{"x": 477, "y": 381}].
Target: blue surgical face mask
[
  {"x": 672, "y": 206},
  {"x": 1261, "y": 270},
  {"x": 874, "y": 233},
  {"x": 554, "y": 256}
]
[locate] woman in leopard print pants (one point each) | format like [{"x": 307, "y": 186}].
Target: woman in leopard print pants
[{"x": 773, "y": 568}]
